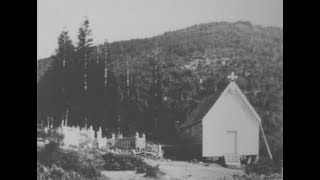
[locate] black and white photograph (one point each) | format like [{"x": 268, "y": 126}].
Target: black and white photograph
[{"x": 159, "y": 89}]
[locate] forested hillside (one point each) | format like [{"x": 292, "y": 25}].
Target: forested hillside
[{"x": 151, "y": 85}]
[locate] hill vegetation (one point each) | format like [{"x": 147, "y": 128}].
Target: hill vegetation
[{"x": 152, "y": 85}]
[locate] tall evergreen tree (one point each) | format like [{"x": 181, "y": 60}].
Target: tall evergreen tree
[
  {"x": 54, "y": 90},
  {"x": 64, "y": 59},
  {"x": 156, "y": 91},
  {"x": 84, "y": 49},
  {"x": 94, "y": 92},
  {"x": 111, "y": 101}
]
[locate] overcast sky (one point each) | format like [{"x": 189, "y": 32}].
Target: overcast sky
[{"x": 127, "y": 19}]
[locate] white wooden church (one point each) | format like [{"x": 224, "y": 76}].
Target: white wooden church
[{"x": 228, "y": 125}]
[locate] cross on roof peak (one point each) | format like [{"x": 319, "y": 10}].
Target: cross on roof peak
[{"x": 232, "y": 77}]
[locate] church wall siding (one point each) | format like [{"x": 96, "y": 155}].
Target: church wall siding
[{"x": 228, "y": 115}]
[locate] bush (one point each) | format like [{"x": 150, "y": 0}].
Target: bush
[
  {"x": 42, "y": 172},
  {"x": 142, "y": 169},
  {"x": 70, "y": 161},
  {"x": 53, "y": 136},
  {"x": 57, "y": 172},
  {"x": 253, "y": 176},
  {"x": 154, "y": 171},
  {"x": 245, "y": 177},
  {"x": 54, "y": 172},
  {"x": 127, "y": 162},
  {"x": 50, "y": 154},
  {"x": 122, "y": 162},
  {"x": 53, "y": 162},
  {"x": 194, "y": 160},
  {"x": 66, "y": 165},
  {"x": 89, "y": 171},
  {"x": 264, "y": 166},
  {"x": 275, "y": 176}
]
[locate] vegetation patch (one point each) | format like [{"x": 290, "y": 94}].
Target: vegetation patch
[
  {"x": 154, "y": 171},
  {"x": 121, "y": 162},
  {"x": 253, "y": 176},
  {"x": 56, "y": 163},
  {"x": 264, "y": 166}
]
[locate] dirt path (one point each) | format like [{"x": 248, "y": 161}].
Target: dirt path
[{"x": 177, "y": 170}]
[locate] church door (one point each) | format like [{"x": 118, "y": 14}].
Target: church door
[{"x": 232, "y": 141}]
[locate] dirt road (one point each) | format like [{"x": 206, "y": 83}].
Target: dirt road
[{"x": 178, "y": 170}]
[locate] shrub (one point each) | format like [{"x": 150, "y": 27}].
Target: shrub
[
  {"x": 142, "y": 169},
  {"x": 53, "y": 135},
  {"x": 42, "y": 172},
  {"x": 50, "y": 154},
  {"x": 245, "y": 177},
  {"x": 194, "y": 160},
  {"x": 127, "y": 162},
  {"x": 68, "y": 166},
  {"x": 53, "y": 162},
  {"x": 122, "y": 162},
  {"x": 89, "y": 171},
  {"x": 264, "y": 166},
  {"x": 70, "y": 161},
  {"x": 72, "y": 176},
  {"x": 275, "y": 176},
  {"x": 56, "y": 172},
  {"x": 154, "y": 171}
]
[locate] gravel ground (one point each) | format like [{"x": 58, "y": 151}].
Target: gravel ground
[{"x": 177, "y": 170}]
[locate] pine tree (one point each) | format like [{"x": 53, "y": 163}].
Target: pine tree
[
  {"x": 64, "y": 58},
  {"x": 53, "y": 90},
  {"x": 94, "y": 92},
  {"x": 111, "y": 101},
  {"x": 84, "y": 49},
  {"x": 156, "y": 91}
]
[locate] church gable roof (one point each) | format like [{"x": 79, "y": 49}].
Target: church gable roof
[
  {"x": 243, "y": 97},
  {"x": 200, "y": 111},
  {"x": 208, "y": 102}
]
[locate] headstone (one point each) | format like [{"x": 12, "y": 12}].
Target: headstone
[
  {"x": 232, "y": 159},
  {"x": 160, "y": 152},
  {"x": 133, "y": 152},
  {"x": 62, "y": 123},
  {"x": 256, "y": 159},
  {"x": 99, "y": 133}
]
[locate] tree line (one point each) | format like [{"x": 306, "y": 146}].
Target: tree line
[{"x": 81, "y": 86}]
